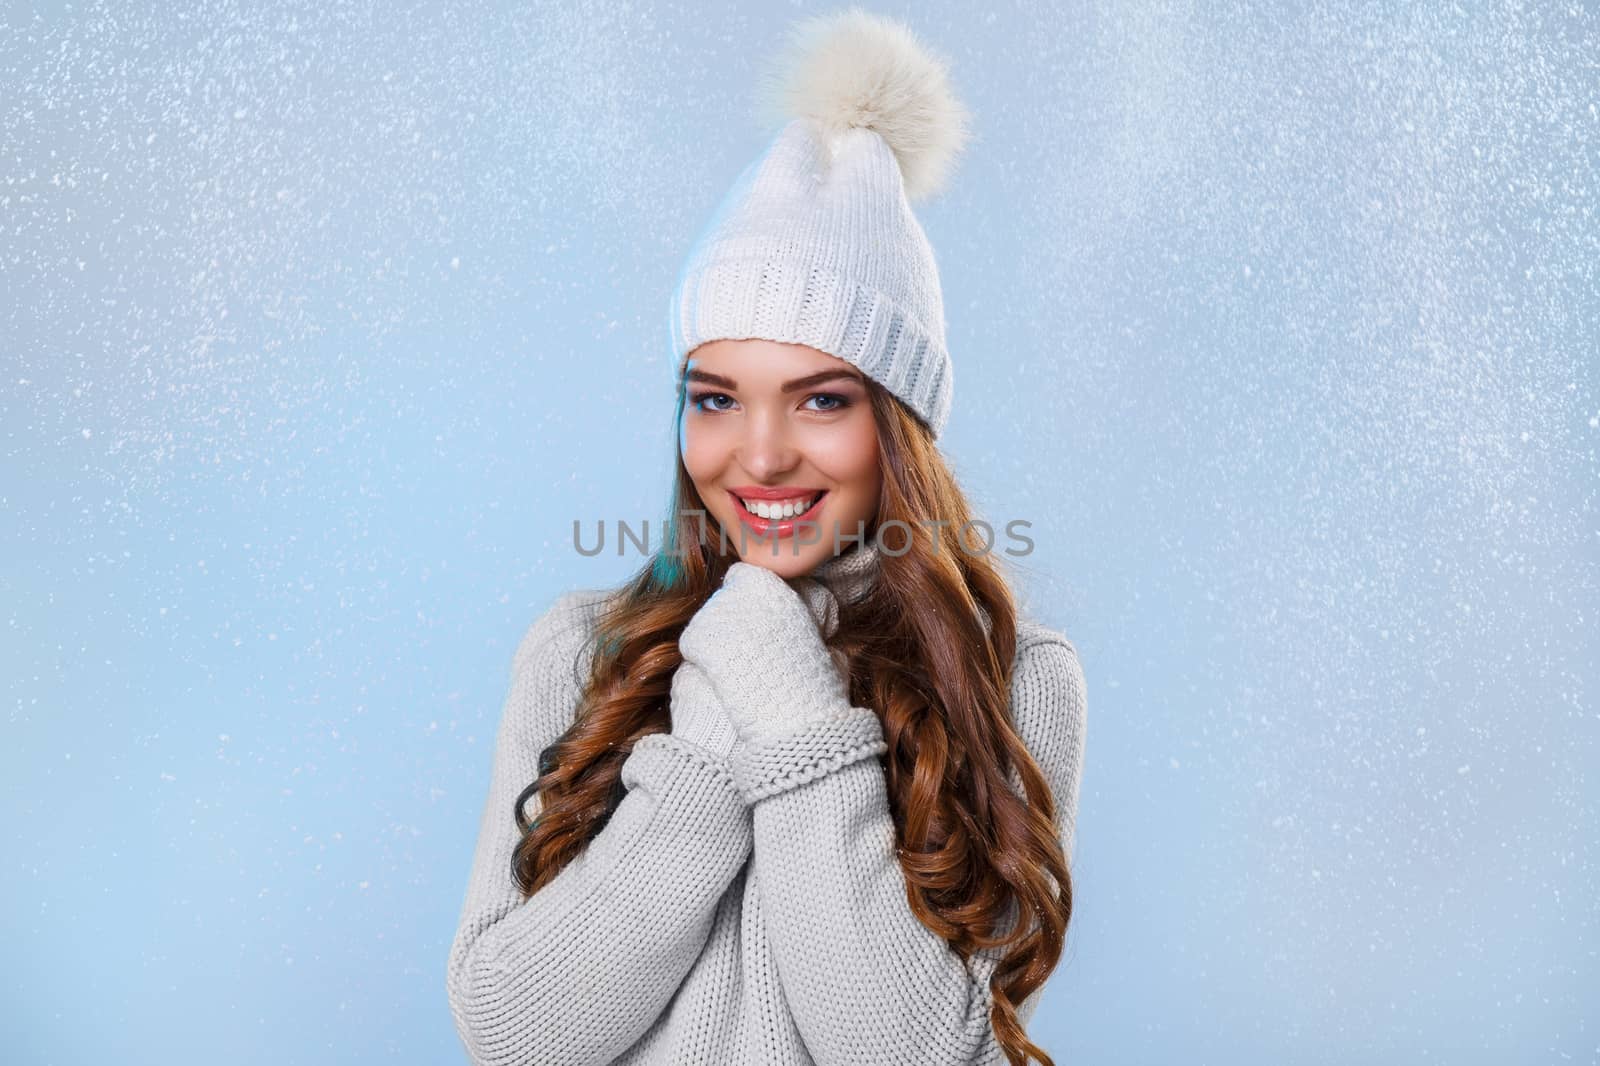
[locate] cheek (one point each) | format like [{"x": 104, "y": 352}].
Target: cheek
[
  {"x": 849, "y": 454},
  {"x": 702, "y": 454},
  {"x": 706, "y": 455},
  {"x": 850, "y": 460}
]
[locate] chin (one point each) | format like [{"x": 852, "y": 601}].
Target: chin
[{"x": 786, "y": 563}]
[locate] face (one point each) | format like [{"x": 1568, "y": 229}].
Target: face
[{"x": 761, "y": 415}]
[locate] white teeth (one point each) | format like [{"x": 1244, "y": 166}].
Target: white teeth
[{"x": 778, "y": 509}]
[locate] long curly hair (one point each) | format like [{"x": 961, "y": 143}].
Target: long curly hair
[{"x": 973, "y": 852}]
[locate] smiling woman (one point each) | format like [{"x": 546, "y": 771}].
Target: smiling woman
[
  {"x": 776, "y": 799},
  {"x": 786, "y": 477}
]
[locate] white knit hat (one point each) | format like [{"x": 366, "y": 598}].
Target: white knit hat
[{"x": 816, "y": 243}]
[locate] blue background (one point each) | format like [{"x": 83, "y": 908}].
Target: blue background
[{"x": 323, "y": 323}]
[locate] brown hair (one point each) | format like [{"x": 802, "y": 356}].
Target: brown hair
[{"x": 972, "y": 850}]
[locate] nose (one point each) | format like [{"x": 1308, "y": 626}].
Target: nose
[{"x": 767, "y": 449}]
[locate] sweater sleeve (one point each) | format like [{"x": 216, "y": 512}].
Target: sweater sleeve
[
  {"x": 866, "y": 980},
  {"x": 577, "y": 972}
]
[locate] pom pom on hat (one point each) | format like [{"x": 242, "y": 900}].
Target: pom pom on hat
[{"x": 852, "y": 69}]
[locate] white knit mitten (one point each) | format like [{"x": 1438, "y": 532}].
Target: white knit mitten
[
  {"x": 697, "y": 712},
  {"x": 758, "y": 641}
]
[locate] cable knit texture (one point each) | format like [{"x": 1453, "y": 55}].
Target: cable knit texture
[{"x": 743, "y": 909}]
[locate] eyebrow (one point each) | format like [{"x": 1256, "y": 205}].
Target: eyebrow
[{"x": 706, "y": 377}]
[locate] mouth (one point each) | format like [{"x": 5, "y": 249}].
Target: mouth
[{"x": 777, "y": 516}]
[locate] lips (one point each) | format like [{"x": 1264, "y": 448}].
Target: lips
[
  {"x": 779, "y": 492},
  {"x": 779, "y": 527}
]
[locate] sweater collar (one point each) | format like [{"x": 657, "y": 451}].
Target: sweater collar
[{"x": 850, "y": 575}]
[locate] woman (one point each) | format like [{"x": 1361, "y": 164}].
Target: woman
[{"x": 784, "y": 796}]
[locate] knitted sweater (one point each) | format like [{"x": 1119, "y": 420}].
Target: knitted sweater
[{"x": 745, "y": 908}]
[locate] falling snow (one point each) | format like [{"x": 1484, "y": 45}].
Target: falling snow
[{"x": 1278, "y": 323}]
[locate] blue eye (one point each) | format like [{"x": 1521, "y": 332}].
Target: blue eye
[
  {"x": 697, "y": 401},
  {"x": 839, "y": 402}
]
